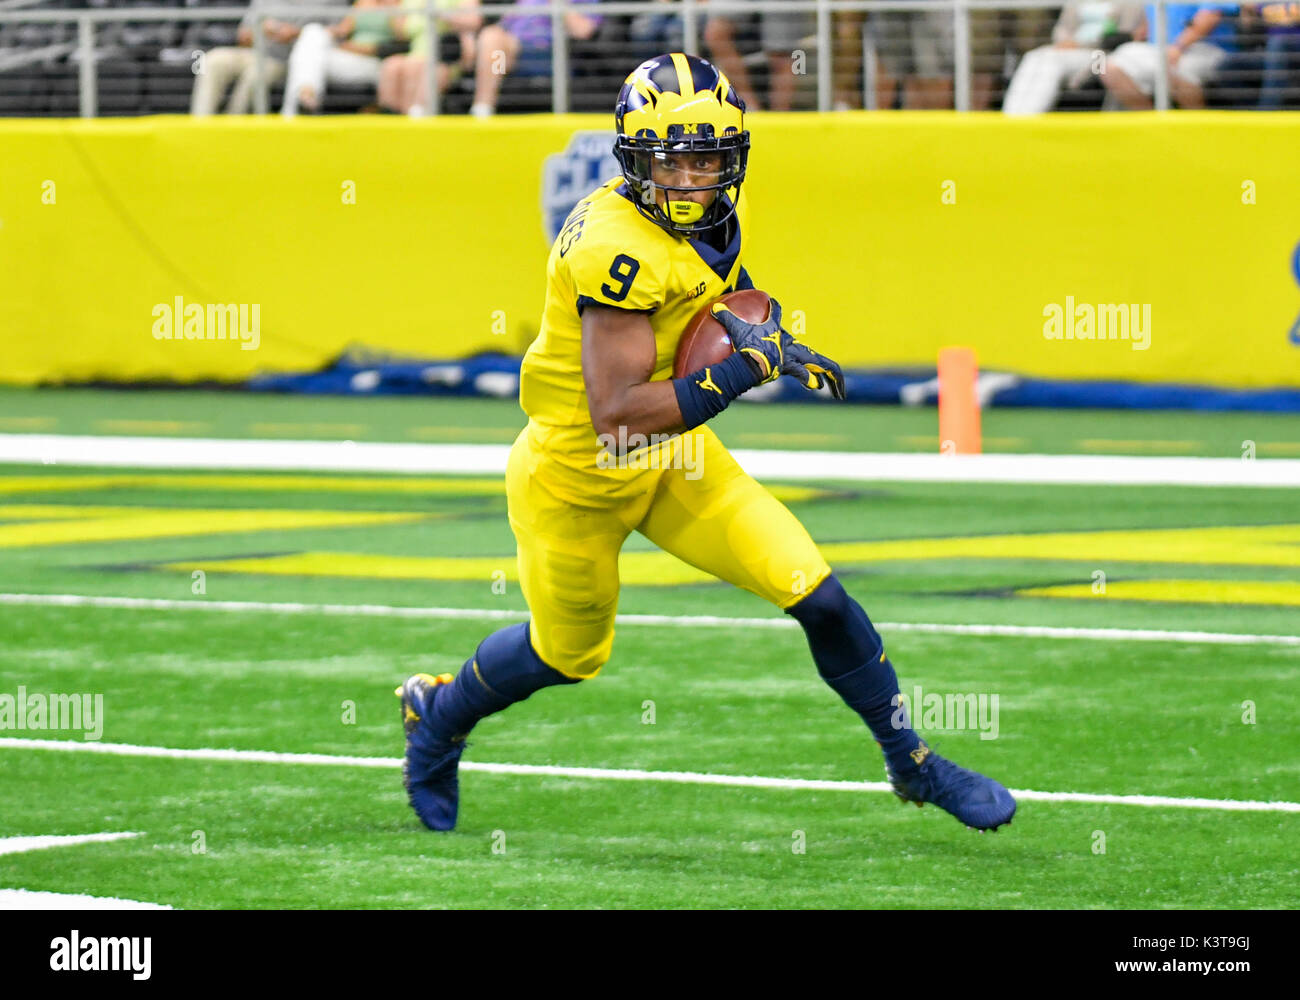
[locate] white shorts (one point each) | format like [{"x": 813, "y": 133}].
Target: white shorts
[
  {"x": 779, "y": 32},
  {"x": 1140, "y": 60},
  {"x": 914, "y": 43}
]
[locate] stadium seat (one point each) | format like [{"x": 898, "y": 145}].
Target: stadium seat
[
  {"x": 597, "y": 67},
  {"x": 347, "y": 98},
  {"x": 22, "y": 92},
  {"x": 1088, "y": 96},
  {"x": 144, "y": 40},
  {"x": 167, "y": 88},
  {"x": 120, "y": 85},
  {"x": 62, "y": 84}
]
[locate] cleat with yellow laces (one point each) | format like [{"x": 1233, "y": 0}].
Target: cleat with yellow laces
[
  {"x": 431, "y": 765},
  {"x": 979, "y": 802}
]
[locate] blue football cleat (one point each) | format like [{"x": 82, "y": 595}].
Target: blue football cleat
[
  {"x": 429, "y": 770},
  {"x": 979, "y": 802}
]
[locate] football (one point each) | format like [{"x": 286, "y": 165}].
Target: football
[{"x": 704, "y": 342}]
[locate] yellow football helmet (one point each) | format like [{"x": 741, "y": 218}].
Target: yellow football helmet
[{"x": 672, "y": 106}]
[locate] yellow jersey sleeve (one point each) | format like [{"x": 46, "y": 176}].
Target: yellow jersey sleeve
[{"x": 609, "y": 273}]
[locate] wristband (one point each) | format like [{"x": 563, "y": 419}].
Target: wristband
[{"x": 704, "y": 394}]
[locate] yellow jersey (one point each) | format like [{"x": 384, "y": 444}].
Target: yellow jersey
[{"x": 608, "y": 254}]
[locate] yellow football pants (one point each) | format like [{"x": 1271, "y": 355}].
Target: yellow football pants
[{"x": 714, "y": 517}]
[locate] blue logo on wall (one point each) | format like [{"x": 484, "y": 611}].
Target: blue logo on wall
[
  {"x": 568, "y": 177},
  {"x": 1295, "y": 272}
]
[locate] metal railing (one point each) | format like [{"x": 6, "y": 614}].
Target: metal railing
[{"x": 690, "y": 10}]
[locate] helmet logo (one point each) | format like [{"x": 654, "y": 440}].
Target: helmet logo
[{"x": 703, "y": 130}]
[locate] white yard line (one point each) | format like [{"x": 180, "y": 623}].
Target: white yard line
[
  {"x": 19, "y": 845},
  {"x": 629, "y": 774},
  {"x": 687, "y": 621},
  {"x": 25, "y": 899},
  {"x": 373, "y": 456}
]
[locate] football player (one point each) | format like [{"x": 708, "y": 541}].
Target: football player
[{"x": 629, "y": 269}]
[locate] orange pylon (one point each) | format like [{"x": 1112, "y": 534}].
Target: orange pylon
[{"x": 959, "y": 408}]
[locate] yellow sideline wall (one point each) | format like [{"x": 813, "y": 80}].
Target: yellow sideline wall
[{"x": 885, "y": 236}]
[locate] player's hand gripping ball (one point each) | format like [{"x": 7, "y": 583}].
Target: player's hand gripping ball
[
  {"x": 705, "y": 341},
  {"x": 750, "y": 321}
]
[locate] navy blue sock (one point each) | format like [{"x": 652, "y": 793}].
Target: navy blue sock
[
  {"x": 505, "y": 669},
  {"x": 850, "y": 657}
]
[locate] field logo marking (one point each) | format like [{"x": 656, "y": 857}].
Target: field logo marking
[{"x": 65, "y": 524}]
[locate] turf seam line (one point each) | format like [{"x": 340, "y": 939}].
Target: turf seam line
[
  {"x": 622, "y": 774},
  {"x": 691, "y": 621},
  {"x": 401, "y": 457}
]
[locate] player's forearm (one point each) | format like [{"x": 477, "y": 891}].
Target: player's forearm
[{"x": 645, "y": 409}]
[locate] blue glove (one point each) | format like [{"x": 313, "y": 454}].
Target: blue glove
[{"x": 772, "y": 351}]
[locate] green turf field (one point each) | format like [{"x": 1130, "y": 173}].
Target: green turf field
[
  {"x": 1177, "y": 718},
  {"x": 746, "y": 425}
]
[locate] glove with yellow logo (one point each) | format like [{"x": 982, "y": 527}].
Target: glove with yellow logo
[{"x": 772, "y": 351}]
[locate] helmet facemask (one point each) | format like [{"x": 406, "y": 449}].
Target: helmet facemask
[{"x": 637, "y": 155}]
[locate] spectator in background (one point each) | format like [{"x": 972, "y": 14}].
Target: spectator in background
[
  {"x": 918, "y": 47},
  {"x": 651, "y": 34},
  {"x": 1199, "y": 40},
  {"x": 1080, "y": 33},
  {"x": 344, "y": 52},
  {"x": 237, "y": 64},
  {"x": 1236, "y": 82},
  {"x": 520, "y": 43},
  {"x": 403, "y": 85},
  {"x": 916, "y": 50},
  {"x": 780, "y": 35},
  {"x": 847, "y": 27},
  {"x": 992, "y": 33},
  {"x": 1281, "y": 55},
  {"x": 1266, "y": 63}
]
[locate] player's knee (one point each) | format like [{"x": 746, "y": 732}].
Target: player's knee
[
  {"x": 825, "y": 606},
  {"x": 829, "y": 610},
  {"x": 838, "y": 630},
  {"x": 576, "y": 653},
  {"x": 585, "y": 665},
  {"x": 576, "y": 664},
  {"x": 509, "y": 663}
]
